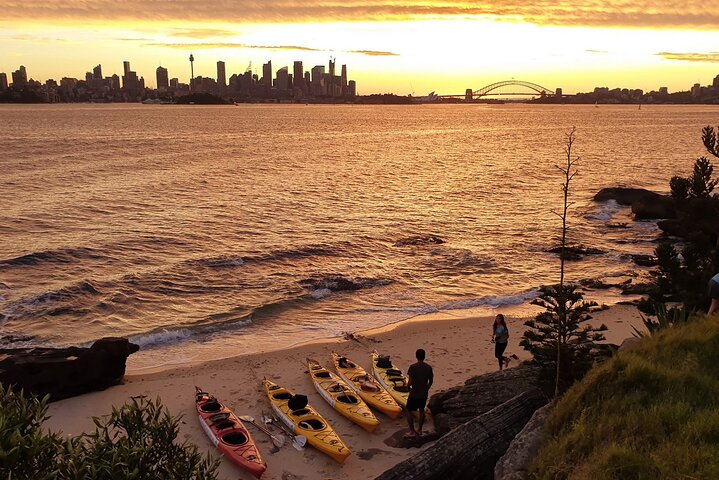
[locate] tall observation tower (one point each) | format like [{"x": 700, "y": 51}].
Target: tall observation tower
[{"x": 192, "y": 71}]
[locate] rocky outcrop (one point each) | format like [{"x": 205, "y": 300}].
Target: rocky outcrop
[
  {"x": 645, "y": 203},
  {"x": 455, "y": 406},
  {"x": 576, "y": 252},
  {"x": 524, "y": 447},
  {"x": 470, "y": 451},
  {"x": 66, "y": 372}
]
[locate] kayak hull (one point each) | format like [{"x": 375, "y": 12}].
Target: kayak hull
[
  {"x": 341, "y": 397},
  {"x": 392, "y": 379},
  {"x": 307, "y": 422},
  {"x": 228, "y": 434},
  {"x": 372, "y": 392}
]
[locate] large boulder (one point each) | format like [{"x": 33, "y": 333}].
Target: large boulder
[
  {"x": 66, "y": 372},
  {"x": 515, "y": 462},
  {"x": 645, "y": 203},
  {"x": 457, "y": 405}
]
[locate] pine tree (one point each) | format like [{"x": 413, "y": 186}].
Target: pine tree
[{"x": 558, "y": 338}]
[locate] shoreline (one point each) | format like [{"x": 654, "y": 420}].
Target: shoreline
[{"x": 457, "y": 348}]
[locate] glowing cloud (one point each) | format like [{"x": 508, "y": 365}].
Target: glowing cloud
[
  {"x": 711, "y": 57},
  {"x": 620, "y": 13}
]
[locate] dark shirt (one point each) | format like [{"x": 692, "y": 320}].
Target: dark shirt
[{"x": 421, "y": 376}]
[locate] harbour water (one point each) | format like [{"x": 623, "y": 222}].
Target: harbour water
[{"x": 203, "y": 232}]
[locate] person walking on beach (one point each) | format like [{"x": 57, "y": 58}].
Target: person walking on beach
[
  {"x": 500, "y": 338},
  {"x": 714, "y": 294},
  {"x": 420, "y": 378}
]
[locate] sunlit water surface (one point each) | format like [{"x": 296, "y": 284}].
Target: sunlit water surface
[{"x": 202, "y": 232}]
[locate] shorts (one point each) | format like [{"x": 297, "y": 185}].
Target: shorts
[
  {"x": 713, "y": 290},
  {"x": 499, "y": 349},
  {"x": 416, "y": 403}
]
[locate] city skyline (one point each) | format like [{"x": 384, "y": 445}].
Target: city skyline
[{"x": 401, "y": 47}]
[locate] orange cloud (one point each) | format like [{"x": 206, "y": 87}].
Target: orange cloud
[
  {"x": 611, "y": 13},
  {"x": 711, "y": 57},
  {"x": 214, "y": 45}
]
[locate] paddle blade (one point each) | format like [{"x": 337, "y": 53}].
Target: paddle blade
[
  {"x": 278, "y": 440},
  {"x": 246, "y": 418},
  {"x": 299, "y": 440}
]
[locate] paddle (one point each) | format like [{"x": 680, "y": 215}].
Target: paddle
[
  {"x": 298, "y": 441},
  {"x": 277, "y": 440}
]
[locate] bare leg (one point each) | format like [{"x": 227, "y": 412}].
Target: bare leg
[
  {"x": 421, "y": 421},
  {"x": 501, "y": 364},
  {"x": 713, "y": 306},
  {"x": 410, "y": 422}
]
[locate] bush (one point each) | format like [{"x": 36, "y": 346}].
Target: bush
[
  {"x": 557, "y": 339},
  {"x": 136, "y": 441},
  {"x": 650, "y": 413}
]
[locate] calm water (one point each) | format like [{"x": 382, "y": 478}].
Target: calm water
[{"x": 207, "y": 231}]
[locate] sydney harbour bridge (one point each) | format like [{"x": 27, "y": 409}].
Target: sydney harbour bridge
[{"x": 505, "y": 88}]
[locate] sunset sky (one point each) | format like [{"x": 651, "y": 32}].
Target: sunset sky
[{"x": 398, "y": 46}]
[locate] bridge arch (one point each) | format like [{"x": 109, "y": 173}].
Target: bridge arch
[{"x": 505, "y": 83}]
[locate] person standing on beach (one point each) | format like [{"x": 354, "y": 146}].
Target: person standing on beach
[
  {"x": 714, "y": 294},
  {"x": 500, "y": 338},
  {"x": 420, "y": 378}
]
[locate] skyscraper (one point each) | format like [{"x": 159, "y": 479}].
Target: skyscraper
[
  {"x": 163, "y": 81},
  {"x": 343, "y": 80},
  {"x": 3, "y": 82},
  {"x": 267, "y": 73},
  {"x": 282, "y": 82},
  {"x": 221, "y": 78},
  {"x": 298, "y": 76},
  {"x": 330, "y": 83},
  {"x": 97, "y": 72},
  {"x": 19, "y": 78},
  {"x": 125, "y": 72}
]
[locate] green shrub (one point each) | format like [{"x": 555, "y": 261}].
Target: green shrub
[
  {"x": 649, "y": 413},
  {"x": 136, "y": 441}
]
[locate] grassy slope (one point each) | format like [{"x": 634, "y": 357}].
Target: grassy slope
[{"x": 650, "y": 413}]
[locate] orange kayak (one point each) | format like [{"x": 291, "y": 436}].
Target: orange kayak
[{"x": 228, "y": 434}]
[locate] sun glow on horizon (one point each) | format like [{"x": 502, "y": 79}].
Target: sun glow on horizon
[{"x": 446, "y": 55}]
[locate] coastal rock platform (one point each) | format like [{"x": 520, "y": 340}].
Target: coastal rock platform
[{"x": 66, "y": 372}]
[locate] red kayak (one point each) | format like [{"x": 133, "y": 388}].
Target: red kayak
[{"x": 228, "y": 433}]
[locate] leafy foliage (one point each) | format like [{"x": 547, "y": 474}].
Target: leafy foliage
[
  {"x": 710, "y": 138},
  {"x": 650, "y": 413},
  {"x": 665, "y": 318},
  {"x": 683, "y": 276},
  {"x": 560, "y": 328},
  {"x": 26, "y": 451},
  {"x": 136, "y": 441}
]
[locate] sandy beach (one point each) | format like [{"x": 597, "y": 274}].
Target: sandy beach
[{"x": 457, "y": 348}]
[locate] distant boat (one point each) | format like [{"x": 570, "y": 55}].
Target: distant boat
[{"x": 595, "y": 105}]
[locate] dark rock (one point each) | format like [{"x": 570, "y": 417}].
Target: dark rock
[
  {"x": 419, "y": 240},
  {"x": 515, "y": 463},
  {"x": 652, "y": 208},
  {"x": 645, "y": 203},
  {"x": 576, "y": 253},
  {"x": 595, "y": 284},
  {"x": 455, "y": 406},
  {"x": 617, "y": 225},
  {"x": 470, "y": 451},
  {"x": 628, "y": 343},
  {"x": 397, "y": 439},
  {"x": 645, "y": 260},
  {"x": 638, "y": 289},
  {"x": 66, "y": 372},
  {"x": 673, "y": 228}
]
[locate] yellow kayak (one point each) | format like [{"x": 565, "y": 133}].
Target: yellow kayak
[
  {"x": 341, "y": 397},
  {"x": 304, "y": 420},
  {"x": 366, "y": 387},
  {"x": 391, "y": 378}
]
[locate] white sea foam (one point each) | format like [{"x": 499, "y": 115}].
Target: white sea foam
[{"x": 604, "y": 211}]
